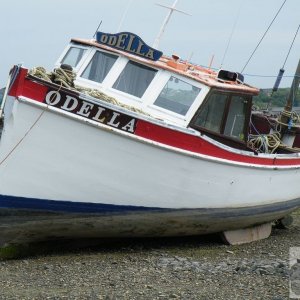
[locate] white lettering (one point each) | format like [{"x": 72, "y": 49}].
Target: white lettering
[
  {"x": 97, "y": 117},
  {"x": 112, "y": 120},
  {"x": 85, "y": 109},
  {"x": 130, "y": 126},
  {"x": 53, "y": 97},
  {"x": 70, "y": 103}
]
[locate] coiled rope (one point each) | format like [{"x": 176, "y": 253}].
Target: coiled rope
[
  {"x": 66, "y": 78},
  {"x": 269, "y": 143},
  {"x": 293, "y": 117},
  {"x": 265, "y": 143}
]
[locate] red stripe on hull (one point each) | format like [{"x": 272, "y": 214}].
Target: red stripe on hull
[
  {"x": 36, "y": 91},
  {"x": 28, "y": 88},
  {"x": 198, "y": 145}
]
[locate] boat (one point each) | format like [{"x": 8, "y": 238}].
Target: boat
[{"x": 120, "y": 140}]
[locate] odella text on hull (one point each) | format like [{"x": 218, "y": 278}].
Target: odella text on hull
[{"x": 120, "y": 140}]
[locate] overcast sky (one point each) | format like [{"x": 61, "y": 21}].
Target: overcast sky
[{"x": 34, "y": 32}]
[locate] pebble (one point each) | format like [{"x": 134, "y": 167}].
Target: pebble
[{"x": 182, "y": 268}]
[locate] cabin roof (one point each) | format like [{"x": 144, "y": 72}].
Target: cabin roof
[{"x": 198, "y": 73}]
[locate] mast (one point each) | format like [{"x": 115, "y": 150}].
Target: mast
[
  {"x": 294, "y": 89},
  {"x": 165, "y": 23},
  {"x": 285, "y": 117},
  {"x": 124, "y": 15}
]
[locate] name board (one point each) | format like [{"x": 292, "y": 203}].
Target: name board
[
  {"x": 90, "y": 111},
  {"x": 128, "y": 42}
]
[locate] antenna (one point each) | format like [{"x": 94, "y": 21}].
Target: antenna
[
  {"x": 231, "y": 34},
  {"x": 124, "y": 15},
  {"x": 165, "y": 23},
  {"x": 97, "y": 29},
  {"x": 211, "y": 61}
]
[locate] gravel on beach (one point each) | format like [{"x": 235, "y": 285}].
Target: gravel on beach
[{"x": 166, "y": 268}]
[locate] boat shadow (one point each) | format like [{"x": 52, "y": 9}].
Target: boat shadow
[{"x": 108, "y": 245}]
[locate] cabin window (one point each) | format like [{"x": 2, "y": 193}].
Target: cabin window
[
  {"x": 134, "y": 79},
  {"x": 223, "y": 114},
  {"x": 73, "y": 56},
  {"x": 99, "y": 66},
  {"x": 236, "y": 117},
  {"x": 211, "y": 113},
  {"x": 177, "y": 96}
]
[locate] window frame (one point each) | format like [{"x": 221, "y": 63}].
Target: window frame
[
  {"x": 107, "y": 80},
  {"x": 82, "y": 60},
  {"x": 161, "y": 112},
  {"x": 229, "y": 96},
  {"x": 89, "y": 60},
  {"x": 121, "y": 72},
  {"x": 172, "y": 111}
]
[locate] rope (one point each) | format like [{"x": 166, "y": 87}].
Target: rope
[
  {"x": 21, "y": 140},
  {"x": 263, "y": 36},
  {"x": 291, "y": 46},
  {"x": 265, "y": 143},
  {"x": 40, "y": 72},
  {"x": 66, "y": 79},
  {"x": 292, "y": 116},
  {"x": 269, "y": 76},
  {"x": 269, "y": 143}
]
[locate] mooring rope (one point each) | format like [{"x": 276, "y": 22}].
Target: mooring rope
[
  {"x": 21, "y": 140},
  {"x": 41, "y": 72},
  {"x": 65, "y": 78}
]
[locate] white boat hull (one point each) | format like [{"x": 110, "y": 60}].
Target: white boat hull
[
  {"x": 64, "y": 176},
  {"x": 63, "y": 159}
]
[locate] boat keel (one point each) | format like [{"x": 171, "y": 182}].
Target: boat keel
[{"x": 247, "y": 235}]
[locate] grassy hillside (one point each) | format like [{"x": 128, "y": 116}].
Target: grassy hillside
[{"x": 278, "y": 98}]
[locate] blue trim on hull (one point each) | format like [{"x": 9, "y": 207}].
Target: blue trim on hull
[
  {"x": 24, "y": 220},
  {"x": 58, "y": 206},
  {"x": 68, "y": 206}
]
